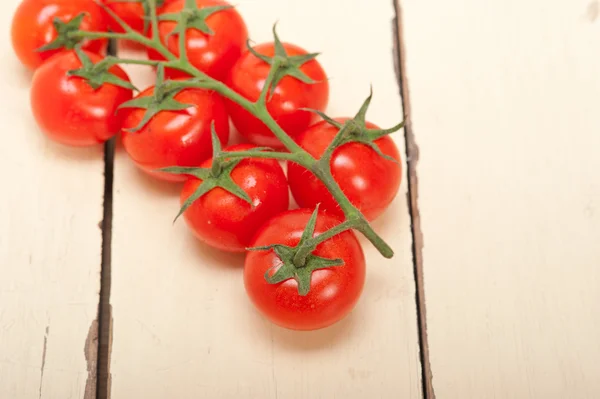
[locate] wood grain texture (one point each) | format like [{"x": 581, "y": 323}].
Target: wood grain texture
[
  {"x": 504, "y": 107},
  {"x": 50, "y": 245},
  {"x": 183, "y": 326}
]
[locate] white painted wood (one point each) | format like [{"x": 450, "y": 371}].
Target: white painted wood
[
  {"x": 50, "y": 247},
  {"x": 505, "y": 99},
  {"x": 183, "y": 326}
]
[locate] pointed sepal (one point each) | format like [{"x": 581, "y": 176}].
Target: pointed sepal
[
  {"x": 63, "y": 28},
  {"x": 283, "y": 65},
  {"x": 96, "y": 75},
  {"x": 219, "y": 175},
  {"x": 324, "y": 116},
  {"x": 309, "y": 230},
  {"x": 290, "y": 268},
  {"x": 287, "y": 270},
  {"x": 162, "y": 100},
  {"x": 153, "y": 106},
  {"x": 192, "y": 16},
  {"x": 356, "y": 130}
]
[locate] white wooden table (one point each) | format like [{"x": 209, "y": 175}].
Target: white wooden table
[{"x": 494, "y": 291}]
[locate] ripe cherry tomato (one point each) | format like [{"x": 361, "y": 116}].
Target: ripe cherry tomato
[
  {"x": 333, "y": 291},
  {"x": 132, "y": 12},
  {"x": 247, "y": 78},
  {"x": 369, "y": 181},
  {"x": 68, "y": 109},
  {"x": 32, "y": 27},
  {"x": 175, "y": 138},
  {"x": 227, "y": 222},
  {"x": 213, "y": 54}
]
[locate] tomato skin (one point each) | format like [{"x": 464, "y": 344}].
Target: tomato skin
[
  {"x": 247, "y": 78},
  {"x": 68, "y": 110},
  {"x": 212, "y": 54},
  {"x": 333, "y": 291},
  {"x": 175, "y": 138},
  {"x": 32, "y": 27},
  {"x": 224, "y": 221},
  {"x": 369, "y": 181},
  {"x": 131, "y": 12}
]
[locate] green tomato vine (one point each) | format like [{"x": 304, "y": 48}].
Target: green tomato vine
[{"x": 299, "y": 262}]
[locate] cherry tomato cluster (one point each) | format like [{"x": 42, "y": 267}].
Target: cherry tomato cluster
[{"x": 304, "y": 267}]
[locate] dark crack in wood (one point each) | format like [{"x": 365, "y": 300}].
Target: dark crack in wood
[
  {"x": 412, "y": 157},
  {"x": 90, "y": 351},
  {"x": 105, "y": 310},
  {"x": 44, "y": 358}
]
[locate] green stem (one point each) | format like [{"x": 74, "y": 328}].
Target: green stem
[
  {"x": 324, "y": 174},
  {"x": 132, "y": 36},
  {"x": 183, "y": 57},
  {"x": 351, "y": 212},
  {"x": 110, "y": 61},
  {"x": 154, "y": 21},
  {"x": 262, "y": 99},
  {"x": 259, "y": 111},
  {"x": 309, "y": 246},
  {"x": 217, "y": 168},
  {"x": 83, "y": 34},
  {"x": 321, "y": 168},
  {"x": 384, "y": 249},
  {"x": 289, "y": 143},
  {"x": 284, "y": 156}
]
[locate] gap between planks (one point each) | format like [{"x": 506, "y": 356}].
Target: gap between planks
[
  {"x": 105, "y": 308},
  {"x": 412, "y": 158}
]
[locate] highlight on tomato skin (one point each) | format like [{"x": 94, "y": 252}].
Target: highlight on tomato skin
[
  {"x": 214, "y": 53},
  {"x": 68, "y": 110},
  {"x": 32, "y": 27},
  {"x": 175, "y": 138},
  {"x": 227, "y": 222},
  {"x": 334, "y": 292},
  {"x": 370, "y": 181},
  {"x": 247, "y": 77}
]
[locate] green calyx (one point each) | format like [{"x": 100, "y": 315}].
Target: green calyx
[
  {"x": 283, "y": 65},
  {"x": 219, "y": 175},
  {"x": 300, "y": 268},
  {"x": 355, "y": 130},
  {"x": 162, "y": 100},
  {"x": 192, "y": 16},
  {"x": 96, "y": 75},
  {"x": 64, "y": 39}
]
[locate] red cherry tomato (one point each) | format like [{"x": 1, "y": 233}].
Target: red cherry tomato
[
  {"x": 227, "y": 222},
  {"x": 68, "y": 109},
  {"x": 175, "y": 138},
  {"x": 369, "y": 181},
  {"x": 212, "y": 54},
  {"x": 132, "y": 12},
  {"x": 32, "y": 27},
  {"x": 333, "y": 291},
  {"x": 247, "y": 78}
]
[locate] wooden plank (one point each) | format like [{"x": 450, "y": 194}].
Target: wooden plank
[
  {"x": 183, "y": 326},
  {"x": 504, "y": 101},
  {"x": 50, "y": 249}
]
